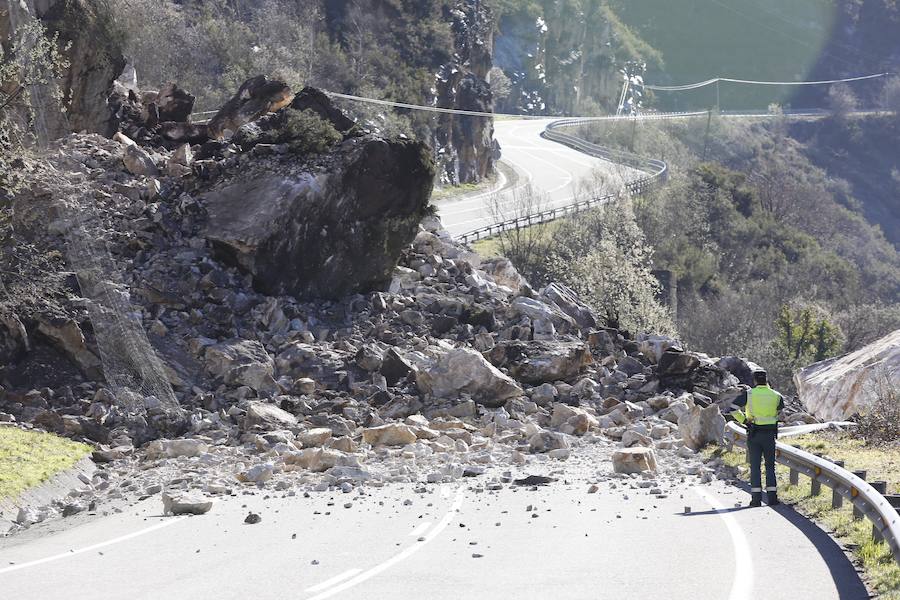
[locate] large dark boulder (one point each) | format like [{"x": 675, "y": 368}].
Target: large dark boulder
[
  {"x": 323, "y": 231},
  {"x": 675, "y": 364}
]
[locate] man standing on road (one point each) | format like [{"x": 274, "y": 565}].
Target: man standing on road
[{"x": 761, "y": 406}]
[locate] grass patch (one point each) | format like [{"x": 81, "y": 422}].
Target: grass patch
[
  {"x": 446, "y": 192},
  {"x": 880, "y": 569},
  {"x": 28, "y": 458}
]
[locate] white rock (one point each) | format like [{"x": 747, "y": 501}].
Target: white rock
[
  {"x": 634, "y": 460},
  {"x": 392, "y": 434},
  {"x": 258, "y": 473},
  {"x": 701, "y": 426},
  {"x": 314, "y": 438},
  {"x": 176, "y": 448},
  {"x": 184, "y": 504},
  {"x": 465, "y": 371}
]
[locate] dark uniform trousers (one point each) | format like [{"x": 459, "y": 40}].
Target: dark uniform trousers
[{"x": 761, "y": 444}]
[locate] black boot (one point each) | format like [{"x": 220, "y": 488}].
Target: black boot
[
  {"x": 772, "y": 498},
  {"x": 755, "y": 499}
]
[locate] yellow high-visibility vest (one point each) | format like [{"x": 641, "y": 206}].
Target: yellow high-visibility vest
[{"x": 762, "y": 405}]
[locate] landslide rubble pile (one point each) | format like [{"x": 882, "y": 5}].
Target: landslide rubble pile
[{"x": 320, "y": 331}]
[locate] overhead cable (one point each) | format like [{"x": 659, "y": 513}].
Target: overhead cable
[{"x": 694, "y": 86}]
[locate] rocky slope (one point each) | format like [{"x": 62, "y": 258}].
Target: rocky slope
[{"x": 167, "y": 304}]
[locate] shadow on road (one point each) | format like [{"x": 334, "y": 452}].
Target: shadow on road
[
  {"x": 713, "y": 511},
  {"x": 846, "y": 580}
]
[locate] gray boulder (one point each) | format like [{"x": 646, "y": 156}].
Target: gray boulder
[
  {"x": 701, "y": 426},
  {"x": 241, "y": 362},
  {"x": 315, "y": 232},
  {"x": 268, "y": 416},
  {"x": 465, "y": 371},
  {"x": 175, "y": 503}
]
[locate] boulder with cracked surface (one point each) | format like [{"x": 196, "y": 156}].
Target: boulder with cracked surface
[
  {"x": 241, "y": 362},
  {"x": 465, "y": 371},
  {"x": 838, "y": 388},
  {"x": 701, "y": 426},
  {"x": 634, "y": 460},
  {"x": 256, "y": 97},
  {"x": 541, "y": 362}
]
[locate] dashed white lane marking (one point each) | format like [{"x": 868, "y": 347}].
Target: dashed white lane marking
[
  {"x": 380, "y": 568},
  {"x": 742, "y": 585},
  {"x": 334, "y": 580},
  {"x": 420, "y": 529},
  {"x": 61, "y": 555}
]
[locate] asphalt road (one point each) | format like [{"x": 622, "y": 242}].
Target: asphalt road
[
  {"x": 612, "y": 544},
  {"x": 556, "y": 173}
]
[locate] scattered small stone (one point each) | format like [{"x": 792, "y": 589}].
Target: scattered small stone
[{"x": 252, "y": 519}]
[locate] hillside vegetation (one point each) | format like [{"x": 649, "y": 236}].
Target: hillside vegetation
[{"x": 773, "y": 256}]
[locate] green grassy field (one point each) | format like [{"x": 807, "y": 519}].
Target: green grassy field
[
  {"x": 28, "y": 458},
  {"x": 880, "y": 569}
]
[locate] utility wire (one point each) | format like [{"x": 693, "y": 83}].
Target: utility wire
[{"x": 694, "y": 86}]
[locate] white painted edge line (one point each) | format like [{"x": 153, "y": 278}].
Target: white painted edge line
[
  {"x": 121, "y": 538},
  {"x": 742, "y": 585},
  {"x": 422, "y": 528},
  {"x": 377, "y": 569},
  {"x": 334, "y": 580}
]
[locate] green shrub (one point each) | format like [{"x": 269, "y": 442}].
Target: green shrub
[{"x": 307, "y": 133}]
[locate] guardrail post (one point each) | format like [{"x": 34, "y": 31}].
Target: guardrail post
[
  {"x": 857, "y": 514},
  {"x": 816, "y": 487},
  {"x": 881, "y": 488},
  {"x": 795, "y": 477},
  {"x": 837, "y": 500}
]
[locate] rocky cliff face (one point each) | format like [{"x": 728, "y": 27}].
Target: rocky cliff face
[
  {"x": 564, "y": 57},
  {"x": 92, "y": 49},
  {"x": 464, "y": 144},
  {"x": 446, "y": 48}
]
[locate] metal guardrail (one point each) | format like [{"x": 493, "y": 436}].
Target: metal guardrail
[
  {"x": 866, "y": 500},
  {"x": 656, "y": 173}
]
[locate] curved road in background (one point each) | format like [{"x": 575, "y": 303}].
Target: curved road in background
[{"x": 557, "y": 173}]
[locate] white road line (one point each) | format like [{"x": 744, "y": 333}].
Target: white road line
[
  {"x": 742, "y": 585},
  {"x": 397, "y": 558},
  {"x": 420, "y": 529},
  {"x": 334, "y": 580},
  {"x": 61, "y": 555}
]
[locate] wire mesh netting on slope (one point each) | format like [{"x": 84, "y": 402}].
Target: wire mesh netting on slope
[{"x": 130, "y": 364}]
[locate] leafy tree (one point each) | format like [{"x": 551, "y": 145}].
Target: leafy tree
[
  {"x": 805, "y": 335},
  {"x": 603, "y": 255}
]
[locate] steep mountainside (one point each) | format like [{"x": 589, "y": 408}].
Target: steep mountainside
[
  {"x": 764, "y": 40},
  {"x": 564, "y": 57},
  {"x": 863, "y": 153}
]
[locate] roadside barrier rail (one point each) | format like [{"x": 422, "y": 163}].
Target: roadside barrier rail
[
  {"x": 869, "y": 499},
  {"x": 655, "y": 172}
]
